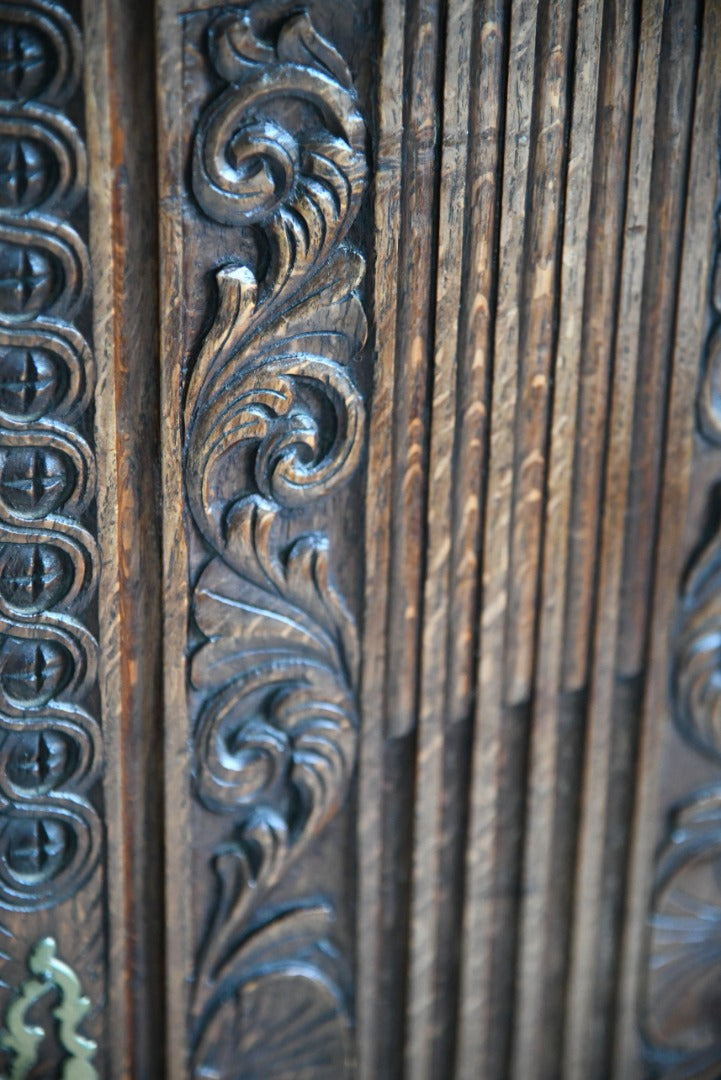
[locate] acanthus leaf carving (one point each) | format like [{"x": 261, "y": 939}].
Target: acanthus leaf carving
[{"x": 273, "y": 423}]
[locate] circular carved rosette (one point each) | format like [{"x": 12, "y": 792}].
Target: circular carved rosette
[
  {"x": 45, "y": 470},
  {"x": 44, "y": 569}
]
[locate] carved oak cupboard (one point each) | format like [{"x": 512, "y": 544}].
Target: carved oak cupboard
[{"x": 360, "y": 539}]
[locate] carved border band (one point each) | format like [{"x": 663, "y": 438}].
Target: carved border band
[
  {"x": 679, "y": 1013},
  {"x": 50, "y": 749},
  {"x": 50, "y": 740},
  {"x": 273, "y": 425}
]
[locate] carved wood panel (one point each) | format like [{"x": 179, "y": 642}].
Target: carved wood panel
[
  {"x": 359, "y": 539},
  {"x": 498, "y": 547},
  {"x": 269, "y": 407}
]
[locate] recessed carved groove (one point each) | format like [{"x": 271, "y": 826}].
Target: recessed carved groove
[{"x": 273, "y": 423}]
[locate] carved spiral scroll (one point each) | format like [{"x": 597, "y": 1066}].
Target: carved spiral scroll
[{"x": 274, "y": 422}]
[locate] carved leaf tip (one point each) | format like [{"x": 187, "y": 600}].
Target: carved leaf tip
[{"x": 300, "y": 43}]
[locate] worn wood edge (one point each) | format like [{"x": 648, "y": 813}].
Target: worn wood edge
[
  {"x": 610, "y": 171},
  {"x": 387, "y": 178},
  {"x": 427, "y": 884},
  {"x": 475, "y": 355},
  {"x": 479, "y": 929},
  {"x": 537, "y": 344},
  {"x": 592, "y": 950},
  {"x": 124, "y": 314},
  {"x": 541, "y": 836},
  {"x": 178, "y": 942},
  {"x": 95, "y": 19},
  {"x": 414, "y": 292}
]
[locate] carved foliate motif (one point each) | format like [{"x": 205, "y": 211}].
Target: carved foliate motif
[
  {"x": 273, "y": 422},
  {"x": 21, "y": 1037},
  {"x": 50, "y": 745}
]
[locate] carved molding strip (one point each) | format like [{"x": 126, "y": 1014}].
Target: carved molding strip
[
  {"x": 274, "y": 423},
  {"x": 22, "y": 1037},
  {"x": 679, "y": 1013},
  {"x": 50, "y": 746}
]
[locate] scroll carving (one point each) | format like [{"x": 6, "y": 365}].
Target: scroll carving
[
  {"x": 274, "y": 423},
  {"x": 50, "y": 747}
]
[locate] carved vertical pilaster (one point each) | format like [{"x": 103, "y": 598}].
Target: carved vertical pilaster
[
  {"x": 50, "y": 739},
  {"x": 272, "y": 429},
  {"x": 682, "y": 980}
]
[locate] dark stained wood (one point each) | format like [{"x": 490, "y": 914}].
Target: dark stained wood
[
  {"x": 124, "y": 247},
  {"x": 360, "y": 565},
  {"x": 53, "y": 868}
]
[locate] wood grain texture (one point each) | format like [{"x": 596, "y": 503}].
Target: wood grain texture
[
  {"x": 403, "y": 405},
  {"x": 123, "y": 224},
  {"x": 563, "y": 147}
]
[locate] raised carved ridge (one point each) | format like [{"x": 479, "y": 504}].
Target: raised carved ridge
[
  {"x": 273, "y": 423},
  {"x": 50, "y": 746}
]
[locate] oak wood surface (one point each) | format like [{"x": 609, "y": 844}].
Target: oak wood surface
[{"x": 360, "y": 576}]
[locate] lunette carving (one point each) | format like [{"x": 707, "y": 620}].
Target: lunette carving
[
  {"x": 50, "y": 744},
  {"x": 273, "y": 422},
  {"x": 21, "y": 1038}
]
